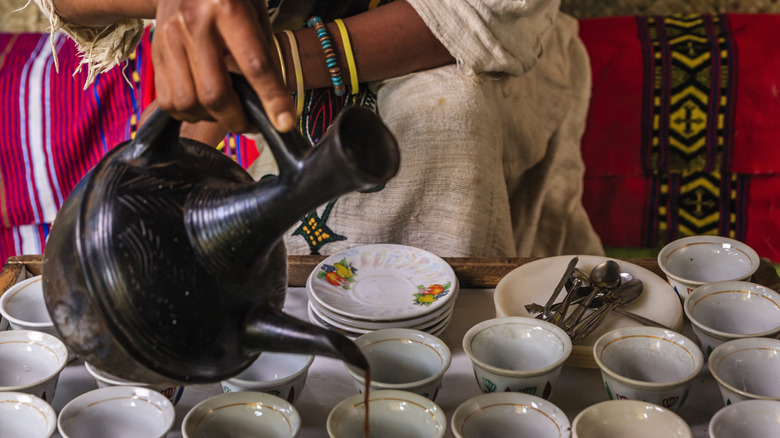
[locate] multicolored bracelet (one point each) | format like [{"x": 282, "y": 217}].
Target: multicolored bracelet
[{"x": 330, "y": 54}]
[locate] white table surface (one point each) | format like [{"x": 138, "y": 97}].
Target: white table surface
[{"x": 328, "y": 382}]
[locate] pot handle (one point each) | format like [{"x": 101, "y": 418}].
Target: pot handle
[
  {"x": 159, "y": 135},
  {"x": 289, "y": 148}
]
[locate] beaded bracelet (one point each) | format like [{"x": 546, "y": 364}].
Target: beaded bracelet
[
  {"x": 296, "y": 57},
  {"x": 330, "y": 54},
  {"x": 351, "y": 66}
]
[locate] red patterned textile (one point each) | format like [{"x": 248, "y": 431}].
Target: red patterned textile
[
  {"x": 682, "y": 134},
  {"x": 52, "y": 131}
]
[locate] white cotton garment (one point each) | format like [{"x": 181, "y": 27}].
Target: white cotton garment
[{"x": 490, "y": 146}]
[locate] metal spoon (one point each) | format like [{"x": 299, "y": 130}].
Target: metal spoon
[
  {"x": 604, "y": 277},
  {"x": 596, "y": 304},
  {"x": 579, "y": 295},
  {"x": 624, "y": 294},
  {"x": 577, "y": 281},
  {"x": 546, "y": 315}
]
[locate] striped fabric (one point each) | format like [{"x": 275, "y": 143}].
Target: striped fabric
[{"x": 52, "y": 131}]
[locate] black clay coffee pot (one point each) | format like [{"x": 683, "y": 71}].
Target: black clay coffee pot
[{"x": 166, "y": 262}]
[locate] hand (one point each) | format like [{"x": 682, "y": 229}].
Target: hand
[{"x": 192, "y": 41}]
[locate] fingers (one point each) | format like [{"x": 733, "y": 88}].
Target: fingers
[
  {"x": 212, "y": 81},
  {"x": 251, "y": 48},
  {"x": 191, "y": 42},
  {"x": 176, "y": 91}
]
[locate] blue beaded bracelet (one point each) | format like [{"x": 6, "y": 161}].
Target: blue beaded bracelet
[{"x": 330, "y": 54}]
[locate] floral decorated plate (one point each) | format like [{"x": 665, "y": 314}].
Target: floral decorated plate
[{"x": 382, "y": 282}]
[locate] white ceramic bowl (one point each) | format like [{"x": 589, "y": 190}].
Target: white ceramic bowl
[
  {"x": 242, "y": 414},
  {"x": 534, "y": 281},
  {"x": 105, "y": 379},
  {"x": 650, "y": 364},
  {"x": 747, "y": 368},
  {"x": 749, "y": 419},
  {"x": 727, "y": 310},
  {"x": 26, "y": 416},
  {"x": 509, "y": 414},
  {"x": 117, "y": 412},
  {"x": 693, "y": 261},
  {"x": 24, "y": 307},
  {"x": 403, "y": 359},
  {"x": 391, "y": 414},
  {"x": 517, "y": 354},
  {"x": 629, "y": 418},
  {"x": 31, "y": 362},
  {"x": 280, "y": 374}
]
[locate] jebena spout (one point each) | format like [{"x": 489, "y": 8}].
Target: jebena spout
[
  {"x": 271, "y": 329},
  {"x": 230, "y": 224}
]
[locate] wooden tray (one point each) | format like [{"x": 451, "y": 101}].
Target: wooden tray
[{"x": 473, "y": 273}]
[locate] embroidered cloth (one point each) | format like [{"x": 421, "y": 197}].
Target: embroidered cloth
[{"x": 682, "y": 133}]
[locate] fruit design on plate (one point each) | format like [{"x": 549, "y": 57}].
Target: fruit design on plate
[
  {"x": 340, "y": 274},
  {"x": 425, "y": 296}
]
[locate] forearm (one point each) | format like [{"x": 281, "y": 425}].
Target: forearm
[
  {"x": 387, "y": 42},
  {"x": 105, "y": 12}
]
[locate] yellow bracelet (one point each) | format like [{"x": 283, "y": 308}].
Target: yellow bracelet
[
  {"x": 281, "y": 59},
  {"x": 351, "y": 66},
  {"x": 298, "y": 72}
]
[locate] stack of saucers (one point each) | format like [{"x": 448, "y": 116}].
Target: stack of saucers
[{"x": 374, "y": 287}]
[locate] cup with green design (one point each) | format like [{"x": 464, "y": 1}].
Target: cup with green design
[
  {"x": 650, "y": 364},
  {"x": 403, "y": 359},
  {"x": 517, "y": 354},
  {"x": 279, "y": 374}
]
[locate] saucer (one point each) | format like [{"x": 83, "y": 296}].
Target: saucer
[
  {"x": 533, "y": 282},
  {"x": 382, "y": 282},
  {"x": 359, "y": 327},
  {"x": 414, "y": 323},
  {"x": 435, "y": 328}
]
